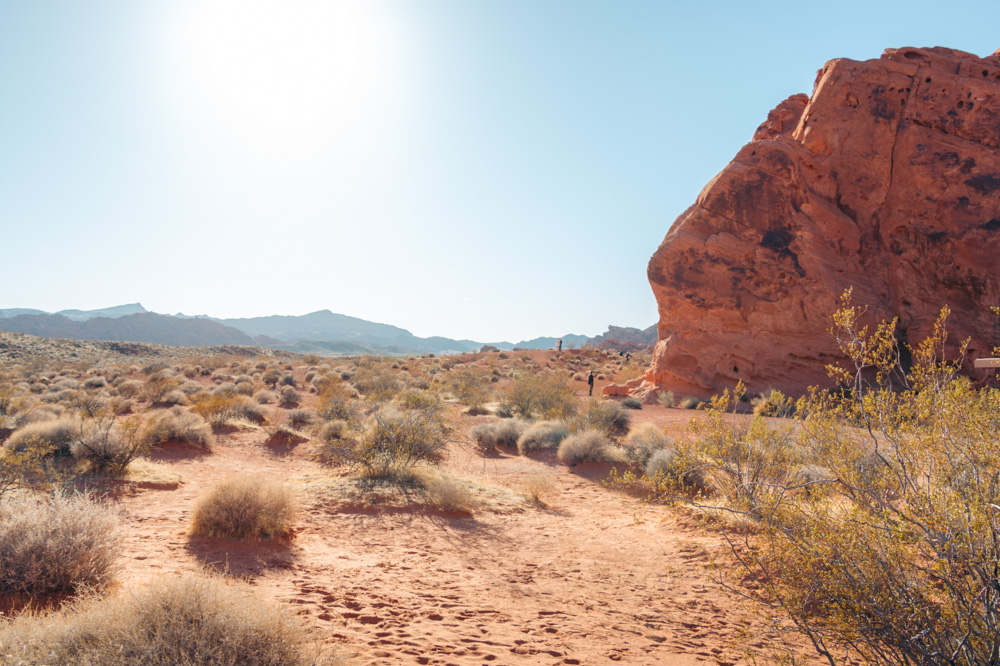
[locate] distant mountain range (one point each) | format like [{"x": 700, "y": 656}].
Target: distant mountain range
[{"x": 322, "y": 332}]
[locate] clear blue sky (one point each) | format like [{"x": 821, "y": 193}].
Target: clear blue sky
[{"x": 495, "y": 169}]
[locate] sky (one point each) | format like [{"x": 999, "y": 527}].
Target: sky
[{"x": 490, "y": 170}]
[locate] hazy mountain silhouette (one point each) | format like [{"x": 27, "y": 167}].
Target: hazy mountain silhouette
[{"x": 320, "y": 332}]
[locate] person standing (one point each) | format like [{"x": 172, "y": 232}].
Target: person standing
[
  {"x": 590, "y": 382},
  {"x": 559, "y": 345}
]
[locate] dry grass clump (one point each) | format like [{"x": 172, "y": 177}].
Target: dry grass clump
[
  {"x": 505, "y": 433},
  {"x": 447, "y": 492},
  {"x": 631, "y": 403},
  {"x": 290, "y": 396},
  {"x": 130, "y": 388},
  {"x": 159, "y": 384},
  {"x": 266, "y": 397},
  {"x": 188, "y": 619},
  {"x": 58, "y": 433},
  {"x": 95, "y": 383},
  {"x": 300, "y": 418},
  {"x": 665, "y": 398},
  {"x": 332, "y": 431},
  {"x": 228, "y": 409},
  {"x": 179, "y": 425},
  {"x": 244, "y": 507},
  {"x": 58, "y": 543},
  {"x": 588, "y": 446},
  {"x": 538, "y": 488},
  {"x": 542, "y": 436},
  {"x": 644, "y": 440},
  {"x": 607, "y": 416}
]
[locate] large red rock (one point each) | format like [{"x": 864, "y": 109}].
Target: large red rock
[{"x": 886, "y": 180}]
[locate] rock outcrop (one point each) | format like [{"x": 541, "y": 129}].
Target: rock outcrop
[{"x": 886, "y": 180}]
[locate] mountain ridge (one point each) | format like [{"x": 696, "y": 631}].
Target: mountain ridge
[{"x": 322, "y": 331}]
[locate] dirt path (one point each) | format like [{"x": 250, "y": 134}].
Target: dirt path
[{"x": 595, "y": 577}]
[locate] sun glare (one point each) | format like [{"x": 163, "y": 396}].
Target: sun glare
[{"x": 290, "y": 80}]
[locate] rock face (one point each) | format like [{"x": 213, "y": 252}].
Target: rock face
[{"x": 886, "y": 180}]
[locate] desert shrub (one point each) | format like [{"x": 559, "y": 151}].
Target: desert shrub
[
  {"x": 747, "y": 460},
  {"x": 175, "y": 397},
  {"x": 158, "y": 385},
  {"x": 336, "y": 403},
  {"x": 182, "y": 619},
  {"x": 671, "y": 472},
  {"x": 417, "y": 399},
  {"x": 15, "y": 408},
  {"x": 88, "y": 404},
  {"x": 393, "y": 442},
  {"x": 895, "y": 561},
  {"x": 537, "y": 487},
  {"x": 58, "y": 434},
  {"x": 774, "y": 403},
  {"x": 95, "y": 383},
  {"x": 300, "y": 418},
  {"x": 28, "y": 467},
  {"x": 244, "y": 388},
  {"x": 585, "y": 446},
  {"x": 179, "y": 425},
  {"x": 332, "y": 431},
  {"x": 287, "y": 379},
  {"x": 222, "y": 410},
  {"x": 190, "y": 388},
  {"x": 58, "y": 543},
  {"x": 470, "y": 388},
  {"x": 376, "y": 383},
  {"x": 661, "y": 462},
  {"x": 541, "y": 436},
  {"x": 130, "y": 388},
  {"x": 66, "y": 384},
  {"x": 271, "y": 377},
  {"x": 665, "y": 398},
  {"x": 689, "y": 402},
  {"x": 489, "y": 436},
  {"x": 244, "y": 507},
  {"x": 607, "y": 416},
  {"x": 290, "y": 396},
  {"x": 631, "y": 403},
  {"x": 541, "y": 396},
  {"x": 447, "y": 492},
  {"x": 644, "y": 440},
  {"x": 108, "y": 444},
  {"x": 265, "y": 397},
  {"x": 224, "y": 389}
]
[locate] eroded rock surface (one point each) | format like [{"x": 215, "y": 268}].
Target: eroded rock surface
[{"x": 886, "y": 180}]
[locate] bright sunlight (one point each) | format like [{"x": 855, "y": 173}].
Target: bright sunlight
[{"x": 290, "y": 85}]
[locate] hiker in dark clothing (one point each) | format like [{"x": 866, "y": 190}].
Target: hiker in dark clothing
[
  {"x": 559, "y": 345},
  {"x": 590, "y": 382}
]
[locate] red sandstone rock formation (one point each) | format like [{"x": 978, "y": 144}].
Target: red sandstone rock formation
[{"x": 886, "y": 180}]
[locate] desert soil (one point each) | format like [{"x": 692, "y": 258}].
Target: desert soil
[{"x": 593, "y": 576}]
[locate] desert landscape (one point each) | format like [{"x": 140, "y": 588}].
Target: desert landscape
[
  {"x": 796, "y": 463},
  {"x": 503, "y": 558}
]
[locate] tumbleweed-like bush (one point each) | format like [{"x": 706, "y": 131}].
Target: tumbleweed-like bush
[
  {"x": 244, "y": 507},
  {"x": 56, "y": 543},
  {"x": 177, "y": 619}
]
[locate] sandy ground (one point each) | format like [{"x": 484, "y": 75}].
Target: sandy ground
[{"x": 595, "y": 576}]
